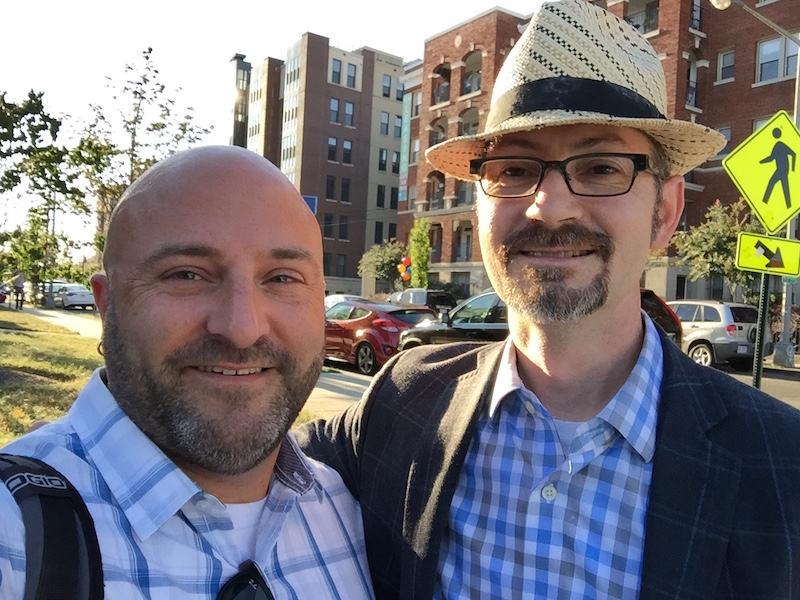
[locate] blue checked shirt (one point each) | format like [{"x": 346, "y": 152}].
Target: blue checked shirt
[
  {"x": 162, "y": 537},
  {"x": 531, "y": 520}
]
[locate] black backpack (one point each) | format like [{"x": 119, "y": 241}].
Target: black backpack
[{"x": 61, "y": 549}]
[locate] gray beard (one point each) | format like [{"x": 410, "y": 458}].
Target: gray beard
[{"x": 165, "y": 410}]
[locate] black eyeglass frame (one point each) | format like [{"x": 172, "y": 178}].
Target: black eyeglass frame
[
  {"x": 247, "y": 584},
  {"x": 641, "y": 164}
]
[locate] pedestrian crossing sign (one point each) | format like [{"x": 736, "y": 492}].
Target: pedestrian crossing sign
[{"x": 765, "y": 169}]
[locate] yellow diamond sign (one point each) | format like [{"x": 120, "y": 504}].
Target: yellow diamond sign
[
  {"x": 765, "y": 169},
  {"x": 765, "y": 254}
]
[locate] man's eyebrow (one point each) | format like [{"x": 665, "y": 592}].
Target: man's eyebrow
[
  {"x": 291, "y": 254},
  {"x": 194, "y": 250}
]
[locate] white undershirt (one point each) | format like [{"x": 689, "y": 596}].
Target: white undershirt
[{"x": 246, "y": 518}]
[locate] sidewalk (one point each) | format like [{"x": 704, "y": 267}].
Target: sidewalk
[{"x": 78, "y": 321}]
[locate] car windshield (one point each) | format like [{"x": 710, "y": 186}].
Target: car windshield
[
  {"x": 75, "y": 288},
  {"x": 744, "y": 314},
  {"x": 412, "y": 316}
]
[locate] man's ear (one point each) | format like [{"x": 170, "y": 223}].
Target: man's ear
[
  {"x": 99, "y": 283},
  {"x": 670, "y": 212}
]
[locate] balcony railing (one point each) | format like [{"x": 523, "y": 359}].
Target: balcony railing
[
  {"x": 691, "y": 93},
  {"x": 645, "y": 21},
  {"x": 471, "y": 83},
  {"x": 436, "y": 201},
  {"x": 441, "y": 93},
  {"x": 465, "y": 196},
  {"x": 462, "y": 253}
]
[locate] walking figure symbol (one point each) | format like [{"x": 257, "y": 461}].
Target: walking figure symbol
[{"x": 780, "y": 154}]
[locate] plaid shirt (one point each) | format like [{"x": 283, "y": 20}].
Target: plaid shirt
[
  {"x": 528, "y": 520},
  {"x": 161, "y": 536}
]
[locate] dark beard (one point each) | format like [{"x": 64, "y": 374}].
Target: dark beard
[
  {"x": 164, "y": 409},
  {"x": 542, "y": 294}
]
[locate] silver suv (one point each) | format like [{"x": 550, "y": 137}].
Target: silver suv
[{"x": 716, "y": 332}]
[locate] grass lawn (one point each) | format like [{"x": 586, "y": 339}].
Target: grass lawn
[{"x": 43, "y": 367}]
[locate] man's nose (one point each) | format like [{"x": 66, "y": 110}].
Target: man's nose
[
  {"x": 240, "y": 314},
  {"x": 553, "y": 203}
]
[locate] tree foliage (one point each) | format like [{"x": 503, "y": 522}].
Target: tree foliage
[
  {"x": 710, "y": 248},
  {"x": 381, "y": 262},
  {"x": 419, "y": 249},
  {"x": 123, "y": 141}
]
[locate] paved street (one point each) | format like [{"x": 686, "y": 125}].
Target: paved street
[{"x": 336, "y": 391}]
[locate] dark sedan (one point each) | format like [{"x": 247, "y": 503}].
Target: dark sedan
[
  {"x": 484, "y": 318},
  {"x": 366, "y": 334}
]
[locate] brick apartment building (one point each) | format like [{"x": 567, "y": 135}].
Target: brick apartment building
[
  {"x": 723, "y": 69},
  {"x": 331, "y": 119}
]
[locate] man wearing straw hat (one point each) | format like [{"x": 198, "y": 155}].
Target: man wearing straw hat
[{"x": 585, "y": 457}]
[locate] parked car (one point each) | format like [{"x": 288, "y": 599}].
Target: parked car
[
  {"x": 437, "y": 300},
  {"x": 484, "y": 318},
  {"x": 334, "y": 299},
  {"x": 366, "y": 333},
  {"x": 73, "y": 295},
  {"x": 716, "y": 332}
]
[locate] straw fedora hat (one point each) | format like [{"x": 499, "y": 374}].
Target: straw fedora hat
[{"x": 577, "y": 63}]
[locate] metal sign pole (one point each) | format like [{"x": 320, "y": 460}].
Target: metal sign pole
[{"x": 763, "y": 309}]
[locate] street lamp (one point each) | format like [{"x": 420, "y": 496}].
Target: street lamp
[{"x": 784, "y": 351}]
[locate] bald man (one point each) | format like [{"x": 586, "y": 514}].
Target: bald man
[{"x": 213, "y": 336}]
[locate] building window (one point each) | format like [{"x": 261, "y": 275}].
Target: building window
[
  {"x": 776, "y": 58},
  {"x": 336, "y": 71},
  {"x": 725, "y": 62},
  {"x": 416, "y": 104},
  {"x": 412, "y": 197},
  {"x": 341, "y": 265},
  {"x": 726, "y": 131},
  {"x": 435, "y": 191},
  {"x": 696, "y": 19},
  {"x": 465, "y": 193},
  {"x": 332, "y": 144},
  {"x": 387, "y": 86},
  {"x": 394, "y": 194},
  {"x": 382, "y": 158},
  {"x": 759, "y": 123},
  {"x": 440, "y": 92},
  {"x": 392, "y": 231},
  {"x": 343, "y": 235},
  {"x": 378, "y": 232},
  {"x": 330, "y": 187},
  {"x": 395, "y": 162},
  {"x": 326, "y": 263},
  {"x": 334, "y": 110},
  {"x": 471, "y": 81},
  {"x": 384, "y": 123},
  {"x": 345, "y": 190},
  {"x": 645, "y": 21},
  {"x": 438, "y": 131},
  {"x": 400, "y": 87},
  {"x": 351, "y": 75},
  {"x": 398, "y": 126},
  {"x": 381, "y": 198},
  {"x": 414, "y": 151},
  {"x": 469, "y": 122},
  {"x": 327, "y": 226},
  {"x": 347, "y": 152},
  {"x": 349, "y": 114}
]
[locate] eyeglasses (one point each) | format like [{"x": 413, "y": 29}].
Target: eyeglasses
[
  {"x": 247, "y": 584},
  {"x": 601, "y": 174}
]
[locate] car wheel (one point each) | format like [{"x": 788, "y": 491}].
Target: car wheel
[
  {"x": 365, "y": 359},
  {"x": 702, "y": 354}
]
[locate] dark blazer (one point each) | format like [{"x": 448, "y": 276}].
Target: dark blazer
[{"x": 724, "y": 510}]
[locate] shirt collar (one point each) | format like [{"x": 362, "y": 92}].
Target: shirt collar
[
  {"x": 632, "y": 411},
  {"x": 148, "y": 487}
]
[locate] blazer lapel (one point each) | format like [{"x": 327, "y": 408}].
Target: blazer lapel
[{"x": 690, "y": 509}]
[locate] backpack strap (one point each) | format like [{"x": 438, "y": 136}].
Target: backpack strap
[{"x": 62, "y": 554}]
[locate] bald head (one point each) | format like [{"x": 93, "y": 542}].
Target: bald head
[{"x": 229, "y": 177}]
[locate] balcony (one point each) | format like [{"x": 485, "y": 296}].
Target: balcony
[
  {"x": 436, "y": 201},
  {"x": 471, "y": 83},
  {"x": 465, "y": 194},
  {"x": 646, "y": 20},
  {"x": 440, "y": 93}
]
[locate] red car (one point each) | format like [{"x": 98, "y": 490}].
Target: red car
[{"x": 365, "y": 333}]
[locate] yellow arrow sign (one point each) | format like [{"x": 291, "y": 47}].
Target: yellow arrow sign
[
  {"x": 766, "y": 254},
  {"x": 765, "y": 169}
]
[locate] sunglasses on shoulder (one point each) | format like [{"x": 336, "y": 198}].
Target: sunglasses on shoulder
[{"x": 247, "y": 584}]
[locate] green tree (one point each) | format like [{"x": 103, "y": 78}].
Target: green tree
[
  {"x": 122, "y": 142},
  {"x": 381, "y": 262},
  {"x": 710, "y": 248},
  {"x": 419, "y": 250}
]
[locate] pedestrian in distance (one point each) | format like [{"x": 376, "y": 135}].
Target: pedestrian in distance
[
  {"x": 213, "y": 338},
  {"x": 586, "y": 456},
  {"x": 18, "y": 284}
]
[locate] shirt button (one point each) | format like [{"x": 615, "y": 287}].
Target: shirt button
[
  {"x": 205, "y": 505},
  {"x": 549, "y": 492}
]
